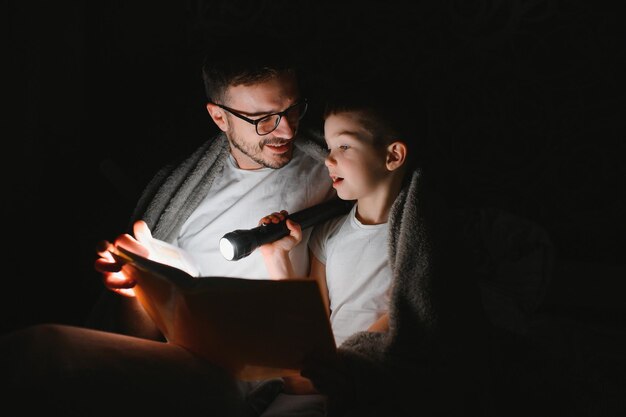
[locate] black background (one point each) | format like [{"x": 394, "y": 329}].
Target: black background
[{"x": 526, "y": 114}]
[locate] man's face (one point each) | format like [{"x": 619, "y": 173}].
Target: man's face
[{"x": 250, "y": 150}]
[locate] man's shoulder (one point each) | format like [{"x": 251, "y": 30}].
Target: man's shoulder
[{"x": 306, "y": 164}]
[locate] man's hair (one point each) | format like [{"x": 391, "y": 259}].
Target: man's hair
[
  {"x": 223, "y": 68},
  {"x": 387, "y": 111}
]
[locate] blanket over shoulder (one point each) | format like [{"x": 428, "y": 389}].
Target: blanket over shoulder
[{"x": 447, "y": 264}]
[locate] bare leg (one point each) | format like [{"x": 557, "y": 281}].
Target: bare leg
[{"x": 84, "y": 372}]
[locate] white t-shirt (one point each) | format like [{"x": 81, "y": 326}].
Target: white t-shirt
[
  {"x": 238, "y": 199},
  {"x": 358, "y": 275}
]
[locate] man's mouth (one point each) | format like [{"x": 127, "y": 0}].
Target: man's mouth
[{"x": 280, "y": 147}]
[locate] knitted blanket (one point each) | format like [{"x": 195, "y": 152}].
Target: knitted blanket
[
  {"x": 436, "y": 318},
  {"x": 465, "y": 284},
  {"x": 177, "y": 190},
  {"x": 166, "y": 203},
  {"x": 440, "y": 260}
]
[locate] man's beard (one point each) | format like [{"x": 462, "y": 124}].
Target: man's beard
[{"x": 254, "y": 152}]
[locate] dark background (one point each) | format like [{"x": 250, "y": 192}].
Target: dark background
[{"x": 526, "y": 113}]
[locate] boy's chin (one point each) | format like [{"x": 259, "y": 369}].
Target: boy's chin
[{"x": 345, "y": 195}]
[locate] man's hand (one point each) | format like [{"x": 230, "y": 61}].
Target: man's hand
[{"x": 116, "y": 275}]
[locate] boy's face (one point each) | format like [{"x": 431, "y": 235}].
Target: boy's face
[
  {"x": 250, "y": 150},
  {"x": 355, "y": 165}
]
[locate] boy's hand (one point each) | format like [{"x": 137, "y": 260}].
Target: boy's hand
[{"x": 285, "y": 244}]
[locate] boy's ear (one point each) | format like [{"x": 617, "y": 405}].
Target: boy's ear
[
  {"x": 218, "y": 116},
  {"x": 396, "y": 155}
]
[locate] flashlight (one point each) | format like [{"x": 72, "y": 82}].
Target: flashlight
[{"x": 242, "y": 242}]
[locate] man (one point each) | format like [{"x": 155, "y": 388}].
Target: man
[{"x": 256, "y": 165}]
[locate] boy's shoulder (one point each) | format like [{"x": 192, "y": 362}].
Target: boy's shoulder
[{"x": 331, "y": 228}]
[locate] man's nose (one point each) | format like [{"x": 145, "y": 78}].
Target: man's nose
[{"x": 285, "y": 129}]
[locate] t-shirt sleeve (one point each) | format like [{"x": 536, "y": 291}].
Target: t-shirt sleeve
[
  {"x": 321, "y": 235},
  {"x": 318, "y": 241}
]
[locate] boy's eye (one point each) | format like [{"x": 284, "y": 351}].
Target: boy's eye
[{"x": 341, "y": 147}]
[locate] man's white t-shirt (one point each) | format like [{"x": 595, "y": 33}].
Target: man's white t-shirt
[
  {"x": 238, "y": 199},
  {"x": 358, "y": 275}
]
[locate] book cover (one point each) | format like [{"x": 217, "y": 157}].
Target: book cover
[{"x": 254, "y": 328}]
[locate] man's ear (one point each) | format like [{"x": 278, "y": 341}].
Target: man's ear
[
  {"x": 396, "y": 155},
  {"x": 218, "y": 115}
]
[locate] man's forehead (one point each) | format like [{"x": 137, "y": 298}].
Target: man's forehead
[
  {"x": 268, "y": 96},
  {"x": 281, "y": 79}
]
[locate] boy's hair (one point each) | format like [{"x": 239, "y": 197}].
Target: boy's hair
[
  {"x": 390, "y": 113},
  {"x": 225, "y": 67}
]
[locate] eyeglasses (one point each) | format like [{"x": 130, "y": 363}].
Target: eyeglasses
[{"x": 267, "y": 124}]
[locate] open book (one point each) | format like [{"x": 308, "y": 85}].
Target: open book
[{"x": 254, "y": 328}]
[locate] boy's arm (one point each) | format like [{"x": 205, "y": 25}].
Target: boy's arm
[
  {"x": 380, "y": 325},
  {"x": 278, "y": 264},
  {"x": 276, "y": 254},
  {"x": 318, "y": 273}
]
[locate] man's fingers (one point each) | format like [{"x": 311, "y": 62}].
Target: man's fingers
[
  {"x": 142, "y": 231},
  {"x": 130, "y": 243},
  {"x": 107, "y": 264},
  {"x": 127, "y": 292},
  {"x": 103, "y": 247},
  {"x": 118, "y": 280}
]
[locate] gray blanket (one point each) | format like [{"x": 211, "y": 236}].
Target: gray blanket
[
  {"x": 466, "y": 282},
  {"x": 441, "y": 260},
  {"x": 166, "y": 202},
  {"x": 176, "y": 191},
  {"x": 437, "y": 321}
]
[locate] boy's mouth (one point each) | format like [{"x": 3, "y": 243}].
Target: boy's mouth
[{"x": 336, "y": 179}]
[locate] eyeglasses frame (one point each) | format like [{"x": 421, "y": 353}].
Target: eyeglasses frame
[{"x": 255, "y": 122}]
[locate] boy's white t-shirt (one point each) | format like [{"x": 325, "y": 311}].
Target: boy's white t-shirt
[
  {"x": 238, "y": 199},
  {"x": 358, "y": 275}
]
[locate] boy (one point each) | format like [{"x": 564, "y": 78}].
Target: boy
[{"x": 368, "y": 137}]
